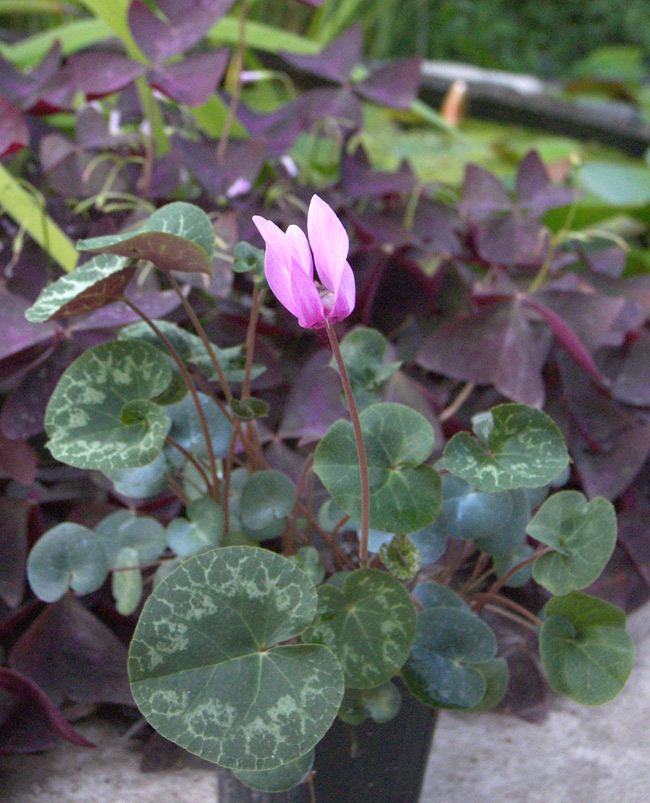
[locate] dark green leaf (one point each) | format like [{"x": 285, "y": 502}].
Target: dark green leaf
[
  {"x": 369, "y": 624},
  {"x": 518, "y": 447},
  {"x": 178, "y": 237},
  {"x": 404, "y": 495},
  {"x": 67, "y": 556},
  {"x": 266, "y": 499},
  {"x": 95, "y": 284},
  {"x": 441, "y": 670},
  {"x": 586, "y": 651},
  {"x": 280, "y": 779},
  {"x": 100, "y": 415},
  {"x": 209, "y": 673},
  {"x": 583, "y": 536}
]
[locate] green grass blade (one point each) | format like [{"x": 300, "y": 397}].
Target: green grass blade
[{"x": 29, "y": 214}]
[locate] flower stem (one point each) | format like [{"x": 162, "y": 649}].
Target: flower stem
[{"x": 361, "y": 448}]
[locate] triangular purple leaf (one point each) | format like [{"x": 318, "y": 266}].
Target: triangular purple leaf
[
  {"x": 99, "y": 74},
  {"x": 483, "y": 193},
  {"x": 193, "y": 80},
  {"x": 187, "y": 23},
  {"x": 395, "y": 84},
  {"x": 534, "y": 189},
  {"x": 14, "y": 134},
  {"x": 71, "y": 655},
  {"x": 336, "y": 61},
  {"x": 495, "y": 345},
  {"x": 28, "y": 718},
  {"x": 360, "y": 180}
]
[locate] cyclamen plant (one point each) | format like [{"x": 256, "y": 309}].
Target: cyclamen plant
[{"x": 245, "y": 654}]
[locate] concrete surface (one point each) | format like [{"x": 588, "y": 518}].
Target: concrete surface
[{"x": 578, "y": 755}]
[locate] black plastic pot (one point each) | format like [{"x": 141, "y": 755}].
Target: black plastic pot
[{"x": 368, "y": 763}]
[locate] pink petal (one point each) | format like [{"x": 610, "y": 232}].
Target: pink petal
[
  {"x": 345, "y": 297},
  {"x": 309, "y": 305},
  {"x": 277, "y": 262},
  {"x": 300, "y": 251},
  {"x": 329, "y": 242}
]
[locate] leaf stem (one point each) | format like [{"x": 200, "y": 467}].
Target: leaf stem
[
  {"x": 361, "y": 448},
  {"x": 213, "y": 487},
  {"x": 234, "y": 100},
  {"x": 542, "y": 550}
]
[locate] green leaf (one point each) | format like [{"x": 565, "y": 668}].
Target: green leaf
[
  {"x": 67, "y": 556},
  {"x": 249, "y": 408},
  {"x": 381, "y": 704},
  {"x": 618, "y": 184},
  {"x": 441, "y": 669},
  {"x": 31, "y": 216},
  {"x": 95, "y": 284},
  {"x": 207, "y": 669},
  {"x": 178, "y": 236},
  {"x": 266, "y": 500},
  {"x": 308, "y": 559},
  {"x": 586, "y": 652},
  {"x": 187, "y": 431},
  {"x": 364, "y": 355},
  {"x": 497, "y": 676},
  {"x": 404, "y": 495},
  {"x": 281, "y": 778},
  {"x": 126, "y": 583},
  {"x": 583, "y": 537},
  {"x": 369, "y": 624},
  {"x": 204, "y": 529},
  {"x": 124, "y": 530},
  {"x": 143, "y": 482},
  {"x": 100, "y": 415},
  {"x": 191, "y": 349},
  {"x": 435, "y": 595},
  {"x": 519, "y": 447}
]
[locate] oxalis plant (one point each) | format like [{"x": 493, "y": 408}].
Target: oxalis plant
[{"x": 278, "y": 605}]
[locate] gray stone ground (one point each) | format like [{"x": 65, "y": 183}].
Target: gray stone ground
[{"x": 578, "y": 755}]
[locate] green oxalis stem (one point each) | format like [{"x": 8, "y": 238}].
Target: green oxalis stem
[{"x": 361, "y": 448}]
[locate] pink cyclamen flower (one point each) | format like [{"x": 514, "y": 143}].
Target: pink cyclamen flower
[{"x": 289, "y": 266}]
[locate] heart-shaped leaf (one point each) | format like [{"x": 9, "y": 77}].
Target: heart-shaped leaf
[
  {"x": 583, "y": 536},
  {"x": 441, "y": 670},
  {"x": 95, "y": 284},
  {"x": 281, "y": 778},
  {"x": 518, "y": 447},
  {"x": 586, "y": 651},
  {"x": 497, "y": 676},
  {"x": 369, "y": 624},
  {"x": 266, "y": 500},
  {"x": 203, "y": 530},
  {"x": 178, "y": 236},
  {"x": 404, "y": 494},
  {"x": 101, "y": 415},
  {"x": 207, "y": 669},
  {"x": 124, "y": 530},
  {"x": 67, "y": 556}
]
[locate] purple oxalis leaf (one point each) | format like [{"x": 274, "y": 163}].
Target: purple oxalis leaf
[
  {"x": 512, "y": 240},
  {"x": 193, "y": 80},
  {"x": 99, "y": 74},
  {"x": 608, "y": 441},
  {"x": 18, "y": 460},
  {"x": 495, "y": 345},
  {"x": 314, "y": 402},
  {"x": 395, "y": 84},
  {"x": 575, "y": 348},
  {"x": 359, "y": 180},
  {"x": 14, "y": 134},
  {"x": 71, "y": 655},
  {"x": 18, "y": 334},
  {"x": 187, "y": 23},
  {"x": 483, "y": 193},
  {"x": 20, "y": 86},
  {"x": 632, "y": 383},
  {"x": 336, "y": 61},
  {"x": 28, "y": 718},
  {"x": 534, "y": 189}
]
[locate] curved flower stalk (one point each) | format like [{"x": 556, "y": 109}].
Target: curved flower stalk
[{"x": 289, "y": 266}]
